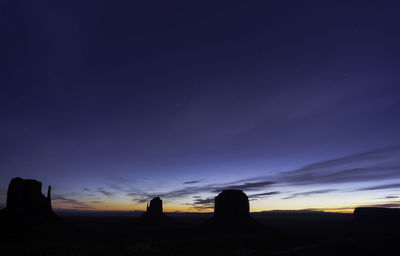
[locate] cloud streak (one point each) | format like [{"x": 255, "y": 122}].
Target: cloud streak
[
  {"x": 105, "y": 192},
  {"x": 190, "y": 182},
  {"x": 387, "y": 186},
  {"x": 203, "y": 204},
  {"x": 216, "y": 188},
  {"x": 246, "y": 186},
  {"x": 75, "y": 203},
  {"x": 262, "y": 195},
  {"x": 378, "y": 164},
  {"x": 308, "y": 193}
]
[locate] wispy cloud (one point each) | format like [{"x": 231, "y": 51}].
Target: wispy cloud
[
  {"x": 384, "y": 205},
  {"x": 379, "y": 164},
  {"x": 391, "y": 197},
  {"x": 308, "y": 193},
  {"x": 65, "y": 200},
  {"x": 363, "y": 157},
  {"x": 119, "y": 179},
  {"x": 191, "y": 182},
  {"x": 386, "y": 186},
  {"x": 83, "y": 207},
  {"x": 246, "y": 186},
  {"x": 105, "y": 192},
  {"x": 262, "y": 195},
  {"x": 203, "y": 204},
  {"x": 179, "y": 193}
]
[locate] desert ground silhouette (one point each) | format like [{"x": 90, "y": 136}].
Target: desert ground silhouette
[{"x": 30, "y": 227}]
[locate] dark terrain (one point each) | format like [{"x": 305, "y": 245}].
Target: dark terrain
[
  {"x": 29, "y": 226},
  {"x": 120, "y": 234}
]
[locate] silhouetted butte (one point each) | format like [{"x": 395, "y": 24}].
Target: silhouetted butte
[
  {"x": 154, "y": 215},
  {"x": 232, "y": 211},
  {"x": 376, "y": 214},
  {"x": 375, "y": 220},
  {"x": 26, "y": 204},
  {"x": 155, "y": 207}
]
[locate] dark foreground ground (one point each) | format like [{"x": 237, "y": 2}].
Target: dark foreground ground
[{"x": 278, "y": 234}]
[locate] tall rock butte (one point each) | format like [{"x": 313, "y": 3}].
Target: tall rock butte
[
  {"x": 154, "y": 215},
  {"x": 155, "y": 207},
  {"x": 26, "y": 204},
  {"x": 25, "y": 196}
]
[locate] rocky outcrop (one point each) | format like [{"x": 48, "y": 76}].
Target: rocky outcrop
[
  {"x": 231, "y": 204},
  {"x": 155, "y": 207},
  {"x": 232, "y": 212},
  {"x": 154, "y": 215},
  {"x": 376, "y": 221},
  {"x": 377, "y": 214},
  {"x": 26, "y": 203},
  {"x": 25, "y": 196}
]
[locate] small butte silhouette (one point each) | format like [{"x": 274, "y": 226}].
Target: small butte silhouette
[{"x": 154, "y": 215}]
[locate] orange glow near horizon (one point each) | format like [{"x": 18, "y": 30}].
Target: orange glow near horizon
[{"x": 184, "y": 208}]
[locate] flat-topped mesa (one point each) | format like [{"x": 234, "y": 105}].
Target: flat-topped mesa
[
  {"x": 377, "y": 214},
  {"x": 155, "y": 207},
  {"x": 231, "y": 204},
  {"x": 24, "y": 196},
  {"x": 232, "y": 213}
]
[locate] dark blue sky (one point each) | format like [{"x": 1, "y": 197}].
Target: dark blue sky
[{"x": 112, "y": 102}]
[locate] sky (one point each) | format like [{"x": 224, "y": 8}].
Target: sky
[{"x": 115, "y": 102}]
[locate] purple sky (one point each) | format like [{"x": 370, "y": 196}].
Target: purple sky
[{"x": 296, "y": 102}]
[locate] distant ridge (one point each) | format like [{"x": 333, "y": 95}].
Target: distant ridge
[
  {"x": 297, "y": 211},
  {"x": 377, "y": 214}
]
